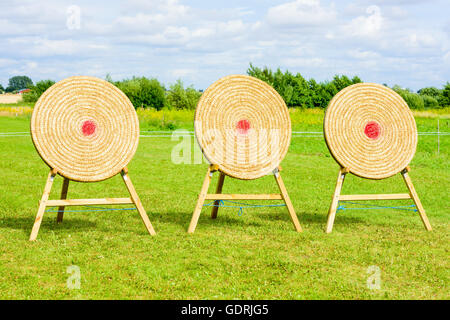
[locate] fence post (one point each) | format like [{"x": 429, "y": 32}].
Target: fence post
[{"x": 438, "y": 136}]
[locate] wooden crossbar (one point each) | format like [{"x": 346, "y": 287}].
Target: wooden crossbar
[
  {"x": 392, "y": 196},
  {"x": 220, "y": 196},
  {"x": 79, "y": 202}
]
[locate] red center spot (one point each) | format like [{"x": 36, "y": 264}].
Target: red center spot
[
  {"x": 88, "y": 128},
  {"x": 372, "y": 130},
  {"x": 243, "y": 126}
]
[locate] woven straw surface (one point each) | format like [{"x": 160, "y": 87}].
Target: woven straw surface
[
  {"x": 370, "y": 130},
  {"x": 85, "y": 128},
  {"x": 243, "y": 125}
]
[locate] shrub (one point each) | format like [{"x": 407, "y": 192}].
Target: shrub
[
  {"x": 298, "y": 92},
  {"x": 180, "y": 98},
  {"x": 430, "y": 102},
  {"x": 413, "y": 100},
  {"x": 143, "y": 92},
  {"x": 430, "y": 91},
  {"x": 37, "y": 90},
  {"x": 444, "y": 98}
]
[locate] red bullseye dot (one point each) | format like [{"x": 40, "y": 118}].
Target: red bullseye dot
[
  {"x": 88, "y": 128},
  {"x": 243, "y": 126},
  {"x": 372, "y": 130}
]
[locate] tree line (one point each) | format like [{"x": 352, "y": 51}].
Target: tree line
[
  {"x": 299, "y": 92},
  {"x": 142, "y": 92},
  {"x": 296, "y": 91}
]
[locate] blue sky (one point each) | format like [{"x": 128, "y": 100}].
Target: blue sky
[{"x": 395, "y": 42}]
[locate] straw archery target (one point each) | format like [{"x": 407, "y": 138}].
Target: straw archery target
[
  {"x": 370, "y": 130},
  {"x": 243, "y": 125},
  {"x": 85, "y": 128}
]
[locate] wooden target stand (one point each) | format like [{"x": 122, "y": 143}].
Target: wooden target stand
[
  {"x": 360, "y": 197},
  {"x": 64, "y": 202},
  {"x": 204, "y": 195}
]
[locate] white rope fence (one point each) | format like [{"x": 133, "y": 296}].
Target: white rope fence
[{"x": 169, "y": 134}]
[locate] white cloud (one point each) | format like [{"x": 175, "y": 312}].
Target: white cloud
[
  {"x": 233, "y": 26},
  {"x": 446, "y": 59},
  {"x": 183, "y": 72},
  {"x": 367, "y": 25},
  {"x": 7, "y": 62},
  {"x": 153, "y": 13},
  {"x": 301, "y": 12},
  {"x": 304, "y": 62},
  {"x": 421, "y": 39},
  {"x": 201, "y": 42},
  {"x": 361, "y": 54}
]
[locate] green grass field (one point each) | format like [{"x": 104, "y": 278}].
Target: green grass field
[{"x": 254, "y": 256}]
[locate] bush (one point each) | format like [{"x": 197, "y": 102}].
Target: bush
[
  {"x": 444, "y": 98},
  {"x": 430, "y": 91},
  {"x": 143, "y": 92},
  {"x": 297, "y": 91},
  {"x": 430, "y": 102},
  {"x": 180, "y": 98},
  {"x": 413, "y": 100},
  {"x": 37, "y": 90}
]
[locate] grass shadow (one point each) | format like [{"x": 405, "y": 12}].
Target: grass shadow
[
  {"x": 26, "y": 224},
  {"x": 183, "y": 219},
  {"x": 308, "y": 218}
]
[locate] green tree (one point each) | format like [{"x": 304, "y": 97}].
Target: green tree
[
  {"x": 430, "y": 91},
  {"x": 356, "y": 79},
  {"x": 292, "y": 88},
  {"x": 298, "y": 92},
  {"x": 109, "y": 78},
  {"x": 263, "y": 74},
  {"x": 341, "y": 82},
  {"x": 444, "y": 98},
  {"x": 321, "y": 93},
  {"x": 143, "y": 92},
  {"x": 430, "y": 102},
  {"x": 37, "y": 90},
  {"x": 180, "y": 98},
  {"x": 19, "y": 82},
  {"x": 2, "y": 89},
  {"x": 413, "y": 100}
]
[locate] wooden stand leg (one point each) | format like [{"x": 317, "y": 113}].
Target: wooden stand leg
[
  {"x": 415, "y": 197},
  {"x": 65, "y": 187},
  {"x": 137, "y": 201},
  {"x": 335, "y": 201},
  {"x": 287, "y": 200},
  {"x": 42, "y": 205},
  {"x": 215, "y": 209},
  {"x": 200, "y": 201}
]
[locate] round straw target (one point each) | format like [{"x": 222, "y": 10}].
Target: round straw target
[
  {"x": 85, "y": 128},
  {"x": 370, "y": 130},
  {"x": 243, "y": 125}
]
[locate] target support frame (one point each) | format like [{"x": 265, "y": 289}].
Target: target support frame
[
  {"x": 361, "y": 197},
  {"x": 204, "y": 195},
  {"x": 63, "y": 202}
]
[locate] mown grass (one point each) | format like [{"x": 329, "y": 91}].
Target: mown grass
[{"x": 254, "y": 256}]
